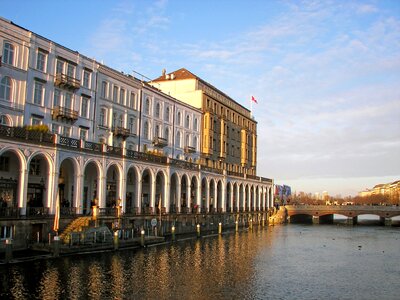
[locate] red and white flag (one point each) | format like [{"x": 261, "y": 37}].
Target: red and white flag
[{"x": 254, "y": 99}]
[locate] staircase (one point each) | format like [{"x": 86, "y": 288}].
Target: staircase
[{"x": 75, "y": 226}]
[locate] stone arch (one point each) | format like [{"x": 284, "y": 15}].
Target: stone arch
[
  {"x": 160, "y": 195},
  {"x": 220, "y": 198},
  {"x": 67, "y": 182},
  {"x": 147, "y": 179},
  {"x": 174, "y": 192},
  {"x": 113, "y": 185},
  {"x": 229, "y": 197},
  {"x": 40, "y": 183},
  {"x": 184, "y": 197},
  {"x": 92, "y": 193},
  {"x": 13, "y": 178},
  {"x": 132, "y": 176},
  {"x": 242, "y": 197},
  {"x": 205, "y": 194},
  {"x": 194, "y": 195},
  {"x": 213, "y": 195}
]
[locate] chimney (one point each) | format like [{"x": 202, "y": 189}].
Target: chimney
[{"x": 163, "y": 72}]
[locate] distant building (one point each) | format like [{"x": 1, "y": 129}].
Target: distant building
[{"x": 391, "y": 190}]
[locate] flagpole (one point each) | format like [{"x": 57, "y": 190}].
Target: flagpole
[{"x": 251, "y": 107}]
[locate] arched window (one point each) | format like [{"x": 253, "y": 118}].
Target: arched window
[
  {"x": 8, "y": 54},
  {"x": 195, "y": 142},
  {"x": 178, "y": 121},
  {"x": 5, "y": 88},
  {"x": 147, "y": 106},
  {"x": 187, "y": 141},
  {"x": 195, "y": 124},
  {"x": 146, "y": 130},
  {"x": 166, "y": 134},
  {"x": 5, "y": 120},
  {"x": 187, "y": 121},
  {"x": 167, "y": 114},
  {"x": 157, "y": 131},
  {"x": 178, "y": 140},
  {"x": 157, "y": 110}
]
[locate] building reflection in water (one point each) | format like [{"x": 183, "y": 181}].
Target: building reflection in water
[
  {"x": 49, "y": 286},
  {"x": 17, "y": 290},
  {"x": 96, "y": 281}
]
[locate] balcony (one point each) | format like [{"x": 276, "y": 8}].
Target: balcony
[
  {"x": 64, "y": 113},
  {"x": 67, "y": 82},
  {"x": 160, "y": 142},
  {"x": 190, "y": 149},
  {"x": 121, "y": 132}
]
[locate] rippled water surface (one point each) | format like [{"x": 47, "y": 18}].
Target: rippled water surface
[{"x": 282, "y": 262}]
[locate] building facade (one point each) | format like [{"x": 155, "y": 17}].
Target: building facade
[
  {"x": 77, "y": 133},
  {"x": 229, "y": 133}
]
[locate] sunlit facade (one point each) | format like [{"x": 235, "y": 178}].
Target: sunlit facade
[
  {"x": 78, "y": 133},
  {"x": 229, "y": 132}
]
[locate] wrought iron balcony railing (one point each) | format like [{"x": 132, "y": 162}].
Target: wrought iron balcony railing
[
  {"x": 67, "y": 82},
  {"x": 160, "y": 142},
  {"x": 63, "y": 113},
  {"x": 190, "y": 149},
  {"x": 121, "y": 131}
]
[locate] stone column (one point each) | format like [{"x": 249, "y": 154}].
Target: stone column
[{"x": 22, "y": 190}]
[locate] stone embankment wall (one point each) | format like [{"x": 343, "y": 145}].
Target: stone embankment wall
[{"x": 279, "y": 216}]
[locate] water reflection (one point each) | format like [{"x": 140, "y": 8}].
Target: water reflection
[{"x": 285, "y": 262}]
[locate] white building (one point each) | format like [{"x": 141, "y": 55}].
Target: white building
[{"x": 112, "y": 137}]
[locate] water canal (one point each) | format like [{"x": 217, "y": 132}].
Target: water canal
[{"x": 282, "y": 262}]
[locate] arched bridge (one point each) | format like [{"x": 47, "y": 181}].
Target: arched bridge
[{"x": 324, "y": 213}]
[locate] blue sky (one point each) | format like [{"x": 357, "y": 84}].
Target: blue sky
[{"x": 326, "y": 74}]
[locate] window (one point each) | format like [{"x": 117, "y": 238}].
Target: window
[
  {"x": 83, "y": 133},
  {"x": 84, "y": 107},
  {"x": 68, "y": 103},
  {"x": 60, "y": 67},
  {"x": 5, "y": 120},
  {"x": 55, "y": 128},
  {"x": 114, "y": 121},
  {"x": 103, "y": 117},
  {"x": 6, "y": 88},
  {"x": 57, "y": 98},
  {"x": 178, "y": 140},
  {"x": 121, "y": 121},
  {"x": 104, "y": 88},
  {"x": 195, "y": 142},
  {"x": 66, "y": 131},
  {"x": 8, "y": 54},
  {"x": 178, "y": 121},
  {"x": 115, "y": 94},
  {"x": 147, "y": 106},
  {"x": 167, "y": 114},
  {"x": 86, "y": 78},
  {"x": 157, "y": 131},
  {"x": 36, "y": 121},
  {"x": 195, "y": 124},
  {"x": 41, "y": 61},
  {"x": 132, "y": 125},
  {"x": 71, "y": 70},
  {"x": 4, "y": 164},
  {"x": 146, "y": 130},
  {"x": 38, "y": 93},
  {"x": 122, "y": 96},
  {"x": 6, "y": 232},
  {"x": 187, "y": 142},
  {"x": 187, "y": 121},
  {"x": 34, "y": 166},
  {"x": 166, "y": 134},
  {"x": 132, "y": 103},
  {"x": 157, "y": 113}
]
